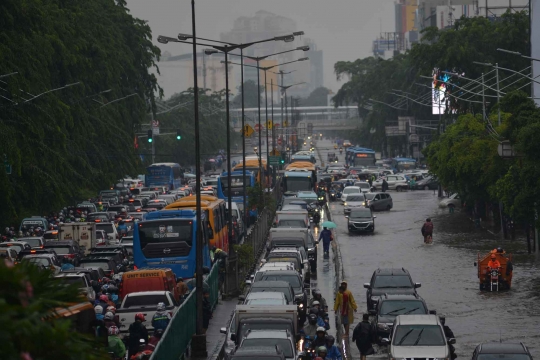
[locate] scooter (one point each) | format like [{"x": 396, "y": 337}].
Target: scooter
[
  {"x": 333, "y": 195},
  {"x": 316, "y": 218}
]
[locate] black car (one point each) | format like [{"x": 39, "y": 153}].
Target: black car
[
  {"x": 361, "y": 220},
  {"x": 27, "y": 252},
  {"x": 109, "y": 266},
  {"x": 428, "y": 183},
  {"x": 501, "y": 351},
  {"x": 66, "y": 248},
  {"x": 110, "y": 248},
  {"x": 116, "y": 256},
  {"x": 389, "y": 281},
  {"x": 98, "y": 217},
  {"x": 389, "y": 307}
]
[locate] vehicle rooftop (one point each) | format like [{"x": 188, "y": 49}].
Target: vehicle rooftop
[
  {"x": 270, "y": 284},
  {"x": 266, "y": 295},
  {"x": 504, "y": 348},
  {"x": 391, "y": 271},
  {"x": 144, "y": 293},
  {"x": 417, "y": 320}
]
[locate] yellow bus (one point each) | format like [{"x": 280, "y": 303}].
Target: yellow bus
[
  {"x": 215, "y": 210},
  {"x": 252, "y": 164}
]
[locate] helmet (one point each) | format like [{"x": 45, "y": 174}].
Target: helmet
[
  {"x": 315, "y": 292},
  {"x": 314, "y": 311},
  {"x": 330, "y": 340},
  {"x": 312, "y": 319},
  {"x": 125, "y": 262},
  {"x": 103, "y": 298},
  {"x": 321, "y": 329},
  {"x": 316, "y": 303},
  {"x": 159, "y": 333},
  {"x": 139, "y": 316},
  {"x": 322, "y": 349},
  {"x": 161, "y": 306},
  {"x": 113, "y": 330},
  {"x": 500, "y": 250},
  {"x": 109, "y": 316},
  {"x": 493, "y": 256},
  {"x": 111, "y": 309},
  {"x": 214, "y": 249},
  {"x": 98, "y": 309},
  {"x": 105, "y": 288}
]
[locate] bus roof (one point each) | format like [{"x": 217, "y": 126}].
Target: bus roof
[
  {"x": 165, "y": 164},
  {"x": 237, "y": 172},
  {"x": 307, "y": 165},
  {"x": 168, "y": 214},
  {"x": 404, "y": 159},
  {"x": 305, "y": 174},
  {"x": 360, "y": 149},
  {"x": 251, "y": 163}
]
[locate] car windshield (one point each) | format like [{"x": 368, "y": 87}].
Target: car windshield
[
  {"x": 291, "y": 279},
  {"x": 61, "y": 250},
  {"x": 405, "y": 307},
  {"x": 101, "y": 217},
  {"x": 16, "y": 247},
  {"x": 284, "y": 344},
  {"x": 33, "y": 242},
  {"x": 38, "y": 261},
  {"x": 351, "y": 190},
  {"x": 363, "y": 185},
  {"x": 501, "y": 356},
  {"x": 291, "y": 223},
  {"x": 370, "y": 196},
  {"x": 102, "y": 264},
  {"x": 391, "y": 281},
  {"x": 360, "y": 214},
  {"x": 108, "y": 228},
  {"x": 419, "y": 335},
  {"x": 70, "y": 280},
  {"x": 355, "y": 198},
  {"x": 144, "y": 301}
]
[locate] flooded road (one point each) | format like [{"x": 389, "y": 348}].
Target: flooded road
[{"x": 445, "y": 269}]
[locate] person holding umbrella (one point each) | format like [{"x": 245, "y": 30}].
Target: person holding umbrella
[{"x": 326, "y": 236}]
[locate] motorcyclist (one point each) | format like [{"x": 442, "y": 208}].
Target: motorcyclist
[
  {"x": 116, "y": 346},
  {"x": 154, "y": 340},
  {"x": 122, "y": 228},
  {"x": 333, "y": 350},
  {"x": 320, "y": 338},
  {"x": 317, "y": 296},
  {"x": 137, "y": 331},
  {"x": 311, "y": 328},
  {"x": 99, "y": 312},
  {"x": 341, "y": 150},
  {"x": 326, "y": 237},
  {"x": 161, "y": 318},
  {"x": 427, "y": 229},
  {"x": 493, "y": 262},
  {"x": 109, "y": 319},
  {"x": 67, "y": 265},
  {"x": 449, "y": 334},
  {"x": 322, "y": 352},
  {"x": 322, "y": 317}
]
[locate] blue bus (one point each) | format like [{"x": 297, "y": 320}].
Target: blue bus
[
  {"x": 298, "y": 180},
  {"x": 359, "y": 156},
  {"x": 401, "y": 164},
  {"x": 237, "y": 185},
  {"x": 164, "y": 174},
  {"x": 167, "y": 238}
]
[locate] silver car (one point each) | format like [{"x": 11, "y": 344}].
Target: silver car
[
  {"x": 379, "y": 201},
  {"x": 395, "y": 182},
  {"x": 418, "y": 336},
  {"x": 354, "y": 201}
]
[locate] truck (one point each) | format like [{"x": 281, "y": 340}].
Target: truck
[
  {"x": 82, "y": 232},
  {"x": 259, "y": 317},
  {"x": 144, "y": 302}
]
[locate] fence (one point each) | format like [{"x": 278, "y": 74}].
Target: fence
[{"x": 177, "y": 337}]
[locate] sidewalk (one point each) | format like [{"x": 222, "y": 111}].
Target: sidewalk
[{"x": 220, "y": 318}]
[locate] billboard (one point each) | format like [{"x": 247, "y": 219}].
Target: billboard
[
  {"x": 438, "y": 91},
  {"x": 535, "y": 46}
]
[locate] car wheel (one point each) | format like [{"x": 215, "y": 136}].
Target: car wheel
[
  {"x": 426, "y": 187},
  {"x": 388, "y": 207},
  {"x": 398, "y": 189}
]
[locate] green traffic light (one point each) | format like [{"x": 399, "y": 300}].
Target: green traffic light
[
  {"x": 149, "y": 140},
  {"x": 178, "y": 137}
]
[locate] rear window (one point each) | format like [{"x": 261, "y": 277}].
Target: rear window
[
  {"x": 38, "y": 261},
  {"x": 61, "y": 250},
  {"x": 291, "y": 279},
  {"x": 144, "y": 301},
  {"x": 291, "y": 223},
  {"x": 70, "y": 280},
  {"x": 94, "y": 264},
  {"x": 389, "y": 281},
  {"x": 285, "y": 291},
  {"x": 108, "y": 228}
]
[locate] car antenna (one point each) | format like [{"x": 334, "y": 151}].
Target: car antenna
[{"x": 500, "y": 335}]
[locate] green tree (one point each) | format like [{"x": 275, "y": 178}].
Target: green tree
[
  {"x": 30, "y": 329},
  {"x": 318, "y": 97}
]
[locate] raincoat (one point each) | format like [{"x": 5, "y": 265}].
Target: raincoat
[{"x": 352, "y": 304}]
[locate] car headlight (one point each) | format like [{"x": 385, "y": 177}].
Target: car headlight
[
  {"x": 300, "y": 306},
  {"x": 345, "y": 203}
]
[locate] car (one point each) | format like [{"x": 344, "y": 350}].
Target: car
[
  {"x": 109, "y": 266},
  {"x": 347, "y": 143},
  {"x": 454, "y": 201},
  {"x": 354, "y": 201},
  {"x": 270, "y": 338},
  {"x": 47, "y": 261},
  {"x": 349, "y": 190},
  {"x": 263, "y": 352},
  {"x": 110, "y": 248},
  {"x": 419, "y": 337},
  {"x": 293, "y": 278},
  {"x": 292, "y": 254},
  {"x": 389, "y": 281},
  {"x": 116, "y": 256},
  {"x": 95, "y": 273},
  {"x": 266, "y": 299},
  {"x": 363, "y": 185},
  {"x": 361, "y": 220},
  {"x": 110, "y": 230},
  {"x": 83, "y": 280},
  {"x": 69, "y": 249},
  {"x": 379, "y": 201},
  {"x": 501, "y": 351},
  {"x": 389, "y": 307},
  {"x": 395, "y": 182},
  {"x": 270, "y": 286},
  {"x": 8, "y": 254},
  {"x": 36, "y": 242},
  {"x": 24, "y": 253},
  {"x": 18, "y": 246},
  {"x": 98, "y": 217},
  {"x": 428, "y": 183},
  {"x": 271, "y": 266}
]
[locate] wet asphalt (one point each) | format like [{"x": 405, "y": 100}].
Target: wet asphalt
[{"x": 445, "y": 270}]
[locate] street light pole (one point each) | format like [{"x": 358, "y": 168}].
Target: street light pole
[
  {"x": 266, "y": 113},
  {"x": 261, "y": 174},
  {"x": 243, "y": 141},
  {"x": 229, "y": 195}
]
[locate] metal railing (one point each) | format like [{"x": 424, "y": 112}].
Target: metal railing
[{"x": 177, "y": 337}]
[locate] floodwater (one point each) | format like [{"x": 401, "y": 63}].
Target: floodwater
[{"x": 445, "y": 270}]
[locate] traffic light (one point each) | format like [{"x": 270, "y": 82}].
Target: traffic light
[
  {"x": 178, "y": 136},
  {"x": 150, "y": 136},
  {"x": 282, "y": 161}
]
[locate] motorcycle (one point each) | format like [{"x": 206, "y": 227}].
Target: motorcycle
[
  {"x": 316, "y": 218},
  {"x": 340, "y": 151},
  {"x": 306, "y": 347},
  {"x": 321, "y": 200},
  {"x": 333, "y": 195},
  {"x": 494, "y": 279}
]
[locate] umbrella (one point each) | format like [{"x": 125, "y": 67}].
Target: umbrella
[{"x": 329, "y": 224}]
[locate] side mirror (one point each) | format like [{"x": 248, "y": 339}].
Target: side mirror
[
  {"x": 372, "y": 312},
  {"x": 417, "y": 285},
  {"x": 367, "y": 286},
  {"x": 223, "y": 330},
  {"x": 346, "y": 216},
  {"x": 475, "y": 264},
  {"x": 242, "y": 297},
  {"x": 433, "y": 312},
  {"x": 385, "y": 341},
  {"x": 451, "y": 341},
  {"x": 248, "y": 282}
]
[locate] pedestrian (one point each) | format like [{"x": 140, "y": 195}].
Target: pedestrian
[
  {"x": 362, "y": 335},
  {"x": 326, "y": 236},
  {"x": 384, "y": 185},
  {"x": 207, "y": 310},
  {"x": 346, "y": 305},
  {"x": 427, "y": 230}
]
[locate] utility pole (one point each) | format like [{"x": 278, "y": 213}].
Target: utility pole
[
  {"x": 204, "y": 69},
  {"x": 498, "y": 93}
]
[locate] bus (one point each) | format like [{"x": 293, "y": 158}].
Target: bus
[
  {"x": 299, "y": 176},
  {"x": 252, "y": 164},
  {"x": 164, "y": 174},
  {"x": 168, "y": 239},
  {"x": 215, "y": 211},
  {"x": 237, "y": 185},
  {"x": 401, "y": 164},
  {"x": 358, "y": 156}
]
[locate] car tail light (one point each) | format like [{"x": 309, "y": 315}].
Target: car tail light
[{"x": 71, "y": 256}]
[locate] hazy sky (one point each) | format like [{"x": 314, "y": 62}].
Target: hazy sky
[{"x": 343, "y": 29}]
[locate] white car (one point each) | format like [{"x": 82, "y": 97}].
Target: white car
[
  {"x": 350, "y": 190},
  {"x": 453, "y": 201},
  {"x": 395, "y": 182},
  {"x": 363, "y": 185}
]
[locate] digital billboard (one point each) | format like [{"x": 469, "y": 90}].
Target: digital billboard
[{"x": 438, "y": 91}]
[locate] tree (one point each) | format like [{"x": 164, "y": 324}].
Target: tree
[
  {"x": 66, "y": 144},
  {"x": 250, "y": 97},
  {"x": 318, "y": 97},
  {"x": 29, "y": 297}
]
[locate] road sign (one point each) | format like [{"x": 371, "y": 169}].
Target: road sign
[
  {"x": 274, "y": 160},
  {"x": 248, "y": 130},
  {"x": 258, "y": 127},
  {"x": 269, "y": 124},
  {"x": 275, "y": 152},
  {"x": 276, "y": 125}
]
